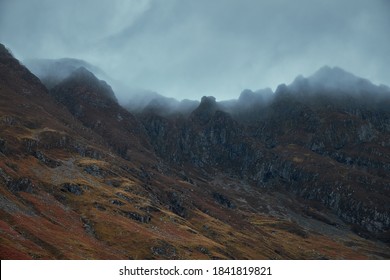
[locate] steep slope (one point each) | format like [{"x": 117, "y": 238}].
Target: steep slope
[
  {"x": 93, "y": 103},
  {"x": 75, "y": 188},
  {"x": 39, "y": 139},
  {"x": 317, "y": 142}
]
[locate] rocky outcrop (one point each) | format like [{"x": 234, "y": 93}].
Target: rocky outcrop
[
  {"x": 21, "y": 185},
  {"x": 52, "y": 163},
  {"x": 223, "y": 200},
  {"x": 73, "y": 188},
  {"x": 205, "y": 110},
  {"x": 176, "y": 204},
  {"x": 289, "y": 146},
  {"x": 137, "y": 217}
]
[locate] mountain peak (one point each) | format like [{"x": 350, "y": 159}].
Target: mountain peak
[
  {"x": 208, "y": 101},
  {"x": 333, "y": 75},
  {"x": 83, "y": 82},
  {"x": 84, "y": 74},
  {"x": 281, "y": 89},
  {"x": 333, "y": 79},
  {"x": 10, "y": 68},
  {"x": 206, "y": 109},
  {"x": 53, "y": 71},
  {"x": 250, "y": 97},
  {"x": 4, "y": 52}
]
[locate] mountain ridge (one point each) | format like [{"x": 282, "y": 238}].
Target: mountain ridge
[{"x": 293, "y": 178}]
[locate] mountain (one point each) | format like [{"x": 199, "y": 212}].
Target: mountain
[
  {"x": 53, "y": 71},
  {"x": 146, "y": 102},
  {"x": 83, "y": 178},
  {"x": 94, "y": 104},
  {"x": 333, "y": 80},
  {"x": 313, "y": 138}
]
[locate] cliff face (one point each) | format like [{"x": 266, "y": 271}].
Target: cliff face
[
  {"x": 81, "y": 177},
  {"x": 327, "y": 147}
]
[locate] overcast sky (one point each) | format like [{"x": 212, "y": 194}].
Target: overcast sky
[{"x": 191, "y": 48}]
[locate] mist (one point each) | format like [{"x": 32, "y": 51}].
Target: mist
[{"x": 189, "y": 49}]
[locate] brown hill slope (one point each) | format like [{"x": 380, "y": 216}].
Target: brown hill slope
[{"x": 71, "y": 189}]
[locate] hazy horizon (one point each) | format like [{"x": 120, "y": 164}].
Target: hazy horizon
[{"x": 188, "y": 49}]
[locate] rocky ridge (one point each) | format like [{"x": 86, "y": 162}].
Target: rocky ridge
[
  {"x": 82, "y": 178},
  {"x": 329, "y": 149}
]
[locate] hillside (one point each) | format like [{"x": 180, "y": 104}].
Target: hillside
[{"x": 298, "y": 175}]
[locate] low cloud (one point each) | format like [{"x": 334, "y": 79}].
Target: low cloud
[{"x": 187, "y": 49}]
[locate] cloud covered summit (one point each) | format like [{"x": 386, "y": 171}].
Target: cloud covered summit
[{"x": 187, "y": 49}]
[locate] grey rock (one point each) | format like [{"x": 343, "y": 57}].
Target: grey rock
[
  {"x": 72, "y": 188},
  {"x": 21, "y": 185}
]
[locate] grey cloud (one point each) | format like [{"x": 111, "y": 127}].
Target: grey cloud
[{"x": 187, "y": 49}]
